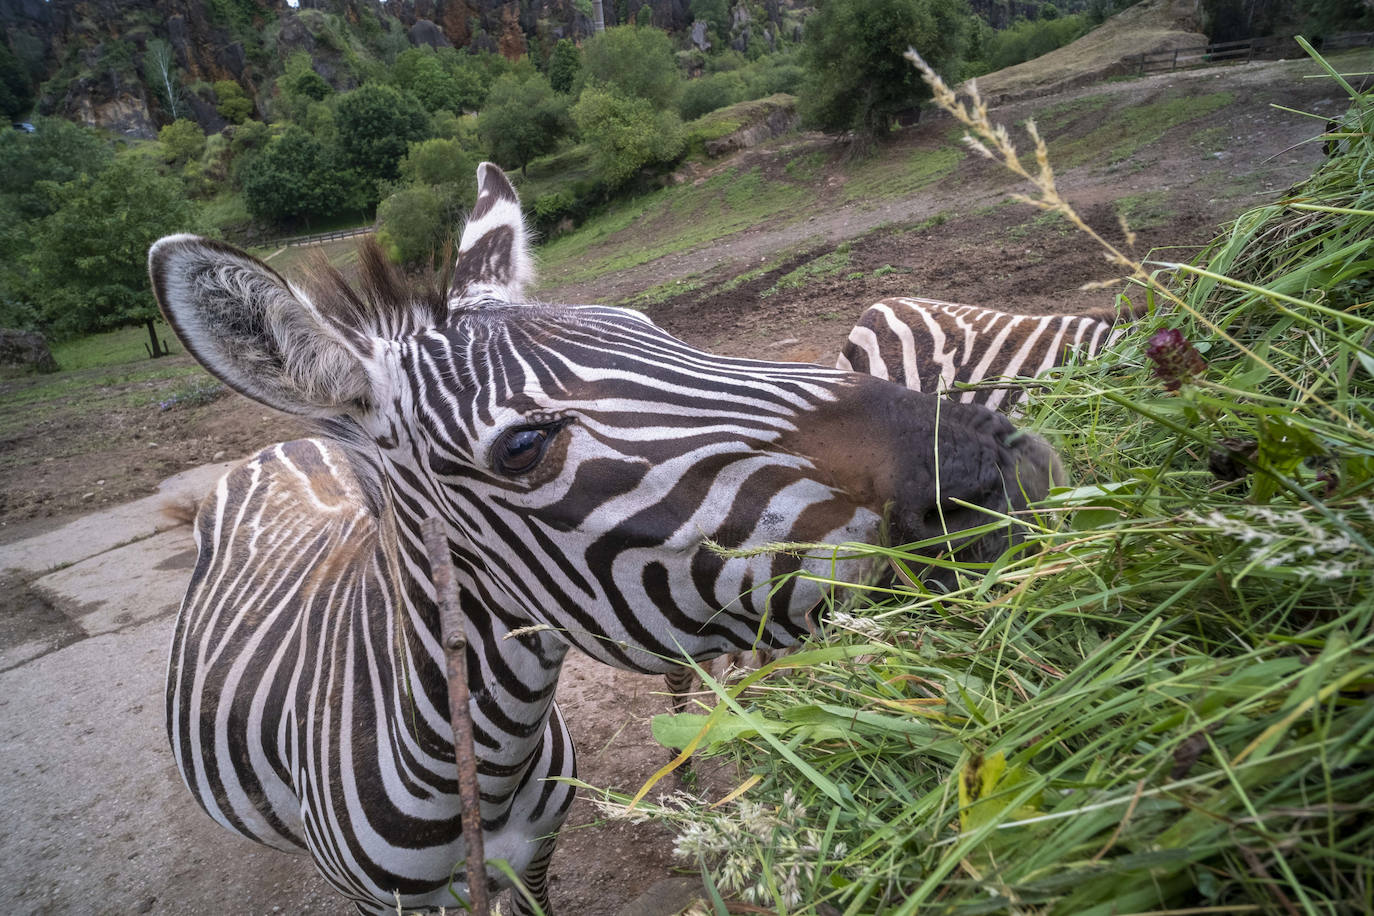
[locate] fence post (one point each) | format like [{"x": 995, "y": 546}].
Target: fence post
[{"x": 1175, "y": 65}]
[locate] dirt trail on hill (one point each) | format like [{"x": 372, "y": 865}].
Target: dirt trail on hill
[{"x": 982, "y": 252}]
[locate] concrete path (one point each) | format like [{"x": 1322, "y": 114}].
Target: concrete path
[{"x": 94, "y": 817}]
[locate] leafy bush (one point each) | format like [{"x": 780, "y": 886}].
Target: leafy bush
[
  {"x": 182, "y": 141},
  {"x": 438, "y": 161},
  {"x": 626, "y": 134},
  {"x": 414, "y": 223},
  {"x": 708, "y": 93},
  {"x": 293, "y": 178},
  {"x": 376, "y": 125},
  {"x": 420, "y": 72},
  {"x": 231, "y": 102},
  {"x": 564, "y": 65},
  {"x": 1028, "y": 39}
]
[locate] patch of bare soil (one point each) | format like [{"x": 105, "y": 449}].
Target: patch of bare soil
[
  {"x": 67, "y": 455},
  {"x": 962, "y": 240}
]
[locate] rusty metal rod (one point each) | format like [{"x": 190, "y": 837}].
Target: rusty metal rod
[{"x": 453, "y": 637}]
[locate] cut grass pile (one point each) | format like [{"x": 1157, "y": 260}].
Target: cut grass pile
[{"x": 1161, "y": 701}]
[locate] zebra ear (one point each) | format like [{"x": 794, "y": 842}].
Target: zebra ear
[
  {"x": 252, "y": 330},
  {"x": 494, "y": 253}
]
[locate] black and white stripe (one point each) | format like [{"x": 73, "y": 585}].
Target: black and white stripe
[
  {"x": 934, "y": 346},
  {"x": 586, "y": 466}
]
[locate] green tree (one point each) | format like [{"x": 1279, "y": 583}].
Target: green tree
[
  {"x": 564, "y": 65},
  {"x": 857, "y": 78},
  {"x": 292, "y": 179},
  {"x": 419, "y": 72},
  {"x": 90, "y": 252},
  {"x": 707, "y": 93},
  {"x": 637, "y": 62},
  {"x": 414, "y": 223},
  {"x": 645, "y": 17},
  {"x": 232, "y": 103},
  {"x": 16, "y": 90},
  {"x": 626, "y": 134},
  {"x": 523, "y": 118},
  {"x": 181, "y": 141},
  {"x": 58, "y": 152},
  {"x": 299, "y": 87},
  {"x": 376, "y": 125},
  {"x": 439, "y": 161}
]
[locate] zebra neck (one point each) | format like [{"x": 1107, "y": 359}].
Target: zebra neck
[{"x": 511, "y": 679}]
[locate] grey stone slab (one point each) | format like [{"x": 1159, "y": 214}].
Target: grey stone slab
[
  {"x": 99, "y": 532},
  {"x": 129, "y": 584},
  {"x": 95, "y": 816}
]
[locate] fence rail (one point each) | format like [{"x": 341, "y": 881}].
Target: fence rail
[
  {"x": 320, "y": 237},
  {"x": 1270, "y": 48}
]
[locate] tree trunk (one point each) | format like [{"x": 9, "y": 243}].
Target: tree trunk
[{"x": 155, "y": 349}]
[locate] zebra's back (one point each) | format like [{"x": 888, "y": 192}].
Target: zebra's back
[{"x": 933, "y": 346}]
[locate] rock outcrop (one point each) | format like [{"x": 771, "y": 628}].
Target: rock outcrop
[{"x": 25, "y": 351}]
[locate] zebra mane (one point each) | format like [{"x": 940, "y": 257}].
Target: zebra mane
[
  {"x": 492, "y": 267},
  {"x": 383, "y": 301}
]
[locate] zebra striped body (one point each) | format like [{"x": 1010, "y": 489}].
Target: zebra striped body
[
  {"x": 584, "y": 464},
  {"x": 928, "y": 345}
]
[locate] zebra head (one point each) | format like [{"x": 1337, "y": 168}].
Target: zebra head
[{"x": 588, "y": 465}]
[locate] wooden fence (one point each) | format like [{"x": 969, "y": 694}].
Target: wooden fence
[
  {"x": 1226, "y": 52},
  {"x": 319, "y": 237}
]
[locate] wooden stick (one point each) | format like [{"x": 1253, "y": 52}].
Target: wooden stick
[{"x": 453, "y": 637}]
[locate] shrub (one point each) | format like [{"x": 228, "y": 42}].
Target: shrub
[
  {"x": 292, "y": 179},
  {"x": 626, "y": 134},
  {"x": 708, "y": 93},
  {"x": 857, "y": 77},
  {"x": 414, "y": 223},
  {"x": 438, "y": 161},
  {"x": 376, "y": 125},
  {"x": 231, "y": 102},
  {"x": 564, "y": 65},
  {"x": 1028, "y": 39},
  {"x": 182, "y": 141}
]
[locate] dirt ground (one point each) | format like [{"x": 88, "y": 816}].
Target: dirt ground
[{"x": 952, "y": 241}]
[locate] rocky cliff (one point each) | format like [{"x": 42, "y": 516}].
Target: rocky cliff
[{"x": 92, "y": 56}]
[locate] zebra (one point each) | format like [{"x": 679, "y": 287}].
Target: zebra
[
  {"x": 584, "y": 465},
  {"x": 929, "y": 345}
]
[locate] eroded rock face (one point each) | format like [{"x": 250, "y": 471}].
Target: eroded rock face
[
  {"x": 771, "y": 117},
  {"x": 25, "y": 350},
  {"x": 424, "y": 32}
]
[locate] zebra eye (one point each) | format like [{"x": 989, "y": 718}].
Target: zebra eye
[{"x": 519, "y": 450}]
